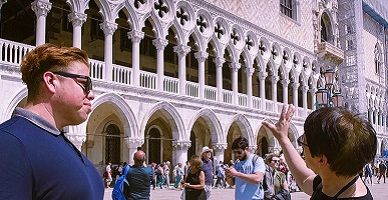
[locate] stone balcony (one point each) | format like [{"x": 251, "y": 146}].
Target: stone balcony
[{"x": 330, "y": 52}]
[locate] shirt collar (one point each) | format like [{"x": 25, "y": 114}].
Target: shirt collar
[{"x": 37, "y": 120}]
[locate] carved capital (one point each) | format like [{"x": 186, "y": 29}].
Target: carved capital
[
  {"x": 295, "y": 86},
  {"x": 305, "y": 88},
  {"x": 262, "y": 76},
  {"x": 182, "y": 49},
  {"x": 76, "y": 139},
  {"x": 41, "y": 8},
  {"x": 108, "y": 27},
  {"x": 275, "y": 79},
  {"x": 181, "y": 145},
  {"x": 249, "y": 71},
  {"x": 219, "y": 61},
  {"x": 77, "y": 19},
  {"x": 160, "y": 43},
  {"x": 201, "y": 56},
  {"x": 219, "y": 146},
  {"x": 285, "y": 82},
  {"x": 134, "y": 142},
  {"x": 136, "y": 36},
  {"x": 235, "y": 66},
  {"x": 313, "y": 91}
]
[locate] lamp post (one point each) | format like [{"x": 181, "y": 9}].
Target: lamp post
[{"x": 326, "y": 97}]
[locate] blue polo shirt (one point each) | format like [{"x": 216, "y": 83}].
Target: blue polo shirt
[{"x": 38, "y": 162}]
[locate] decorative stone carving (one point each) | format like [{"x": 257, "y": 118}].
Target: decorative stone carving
[
  {"x": 201, "y": 56},
  {"x": 136, "y": 36},
  {"x": 108, "y": 27},
  {"x": 182, "y": 50},
  {"x": 219, "y": 61},
  {"x": 235, "y": 66},
  {"x": 249, "y": 71},
  {"x": 219, "y": 146},
  {"x": 77, "y": 19},
  {"x": 181, "y": 145},
  {"x": 41, "y": 8},
  {"x": 160, "y": 43},
  {"x": 76, "y": 139},
  {"x": 134, "y": 142}
]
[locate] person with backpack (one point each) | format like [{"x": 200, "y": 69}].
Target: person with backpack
[
  {"x": 275, "y": 182},
  {"x": 247, "y": 172}
]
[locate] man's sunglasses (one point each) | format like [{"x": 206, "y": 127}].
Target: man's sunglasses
[{"x": 86, "y": 86}]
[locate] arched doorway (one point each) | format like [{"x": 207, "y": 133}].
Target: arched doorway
[
  {"x": 112, "y": 144},
  {"x": 233, "y": 133},
  {"x": 154, "y": 143}
]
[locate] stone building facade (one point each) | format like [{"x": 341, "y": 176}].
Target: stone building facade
[{"x": 173, "y": 76}]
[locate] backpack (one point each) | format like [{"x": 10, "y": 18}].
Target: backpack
[{"x": 118, "y": 190}]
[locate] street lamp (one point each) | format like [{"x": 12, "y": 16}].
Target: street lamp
[{"x": 326, "y": 97}]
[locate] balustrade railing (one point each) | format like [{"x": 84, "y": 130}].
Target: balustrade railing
[
  {"x": 147, "y": 80},
  {"x": 210, "y": 93},
  {"x": 269, "y": 105},
  {"x": 227, "y": 96},
  {"x": 96, "y": 69},
  {"x": 170, "y": 84},
  {"x": 242, "y": 100},
  {"x": 13, "y": 52},
  {"x": 121, "y": 74},
  {"x": 192, "y": 89},
  {"x": 256, "y": 102}
]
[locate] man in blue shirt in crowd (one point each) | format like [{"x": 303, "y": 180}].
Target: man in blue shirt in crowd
[
  {"x": 37, "y": 160},
  {"x": 207, "y": 168},
  {"x": 247, "y": 172},
  {"x": 139, "y": 179}
]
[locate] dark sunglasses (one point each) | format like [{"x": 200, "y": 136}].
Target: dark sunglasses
[
  {"x": 86, "y": 86},
  {"x": 276, "y": 161},
  {"x": 300, "y": 141}
]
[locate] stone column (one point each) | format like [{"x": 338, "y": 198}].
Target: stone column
[
  {"x": 77, "y": 19},
  {"x": 313, "y": 98},
  {"x": 132, "y": 144},
  {"x": 285, "y": 83},
  {"x": 275, "y": 80},
  {"x": 136, "y": 37},
  {"x": 109, "y": 28},
  {"x": 305, "y": 88},
  {"x": 76, "y": 139},
  {"x": 295, "y": 87},
  {"x": 182, "y": 50},
  {"x": 201, "y": 57},
  {"x": 219, "y": 61},
  {"x": 219, "y": 149},
  {"x": 249, "y": 72},
  {"x": 160, "y": 44},
  {"x": 41, "y": 8},
  {"x": 180, "y": 149},
  {"x": 253, "y": 148},
  {"x": 235, "y": 67},
  {"x": 262, "y": 76}
]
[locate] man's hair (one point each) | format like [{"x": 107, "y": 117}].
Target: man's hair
[
  {"x": 44, "y": 58},
  {"x": 240, "y": 143},
  {"x": 269, "y": 157},
  {"x": 347, "y": 140}
]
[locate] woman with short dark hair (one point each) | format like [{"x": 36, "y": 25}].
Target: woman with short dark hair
[{"x": 336, "y": 144}]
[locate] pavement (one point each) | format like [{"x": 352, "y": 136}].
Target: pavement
[{"x": 379, "y": 192}]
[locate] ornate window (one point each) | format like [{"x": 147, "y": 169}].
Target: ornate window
[
  {"x": 378, "y": 61},
  {"x": 288, "y": 8},
  {"x": 112, "y": 144}
]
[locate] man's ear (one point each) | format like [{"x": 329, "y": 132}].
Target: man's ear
[
  {"x": 50, "y": 81},
  {"x": 323, "y": 160}
]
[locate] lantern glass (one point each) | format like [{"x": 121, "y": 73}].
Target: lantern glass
[
  {"x": 322, "y": 97},
  {"x": 337, "y": 99},
  {"x": 329, "y": 76}
]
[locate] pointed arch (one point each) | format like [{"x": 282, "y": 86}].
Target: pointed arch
[
  {"x": 125, "y": 112},
  {"x": 245, "y": 127},
  {"x": 20, "y": 95},
  {"x": 179, "y": 131},
  {"x": 215, "y": 126}
]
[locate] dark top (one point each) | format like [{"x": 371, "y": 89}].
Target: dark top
[
  {"x": 139, "y": 180},
  {"x": 38, "y": 162},
  {"x": 319, "y": 195},
  {"x": 207, "y": 168},
  {"x": 193, "y": 179}
]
